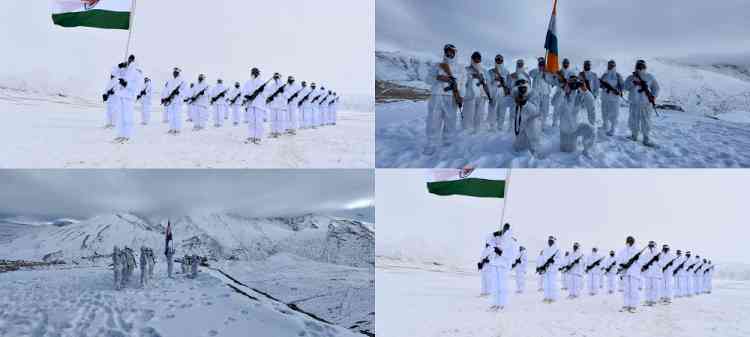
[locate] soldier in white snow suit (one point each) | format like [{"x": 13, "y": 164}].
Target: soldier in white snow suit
[
  {"x": 593, "y": 271},
  {"x": 445, "y": 101},
  {"x": 128, "y": 83},
  {"x": 194, "y": 261},
  {"x": 610, "y": 271},
  {"x": 235, "y": 103},
  {"x": 500, "y": 93},
  {"x": 306, "y": 106},
  {"x": 172, "y": 96},
  {"x": 129, "y": 265},
  {"x": 551, "y": 261},
  {"x": 109, "y": 99},
  {"x": 540, "y": 261},
  {"x": 639, "y": 84},
  {"x": 255, "y": 92},
  {"x": 485, "y": 270},
  {"x": 147, "y": 265},
  {"x": 200, "y": 102},
  {"x": 219, "y": 94},
  {"x": 575, "y": 271},
  {"x": 144, "y": 96},
  {"x": 667, "y": 280},
  {"x": 520, "y": 264},
  {"x": 504, "y": 252},
  {"x": 591, "y": 81},
  {"x": 276, "y": 104},
  {"x": 542, "y": 82},
  {"x": 477, "y": 94},
  {"x": 526, "y": 120},
  {"x": 568, "y": 102},
  {"x": 613, "y": 86},
  {"x": 630, "y": 260},
  {"x": 293, "y": 96}
]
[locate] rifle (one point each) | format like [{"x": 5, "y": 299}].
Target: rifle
[
  {"x": 198, "y": 95},
  {"x": 482, "y": 263},
  {"x": 606, "y": 270},
  {"x": 108, "y": 93},
  {"x": 251, "y": 97},
  {"x": 499, "y": 78},
  {"x": 141, "y": 94},
  {"x": 482, "y": 82},
  {"x": 645, "y": 89},
  {"x": 650, "y": 262},
  {"x": 304, "y": 99},
  {"x": 708, "y": 269},
  {"x": 517, "y": 262},
  {"x": 543, "y": 268},
  {"x": 273, "y": 96},
  {"x": 572, "y": 264},
  {"x": 586, "y": 81},
  {"x": 698, "y": 269},
  {"x": 678, "y": 268},
  {"x": 691, "y": 266},
  {"x": 176, "y": 91},
  {"x": 233, "y": 100},
  {"x": 667, "y": 265},
  {"x": 296, "y": 94},
  {"x": 453, "y": 87},
  {"x": 588, "y": 268},
  {"x": 324, "y": 99},
  {"x": 609, "y": 88},
  {"x": 220, "y": 95},
  {"x": 626, "y": 266},
  {"x": 316, "y": 98},
  {"x": 333, "y": 101}
]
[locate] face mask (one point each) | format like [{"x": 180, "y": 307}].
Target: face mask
[
  {"x": 550, "y": 242},
  {"x": 175, "y": 74}
]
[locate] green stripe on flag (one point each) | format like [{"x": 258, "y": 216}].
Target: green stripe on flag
[
  {"x": 95, "y": 18},
  {"x": 475, "y": 187}
]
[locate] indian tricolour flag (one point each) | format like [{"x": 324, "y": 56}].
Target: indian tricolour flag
[
  {"x": 107, "y": 14},
  {"x": 468, "y": 181},
  {"x": 550, "y": 43}
]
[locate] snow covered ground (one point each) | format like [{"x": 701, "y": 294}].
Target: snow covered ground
[
  {"x": 52, "y": 131},
  {"x": 444, "y": 301},
  {"x": 82, "y": 302},
  {"x": 311, "y": 275},
  {"x": 686, "y": 139}
]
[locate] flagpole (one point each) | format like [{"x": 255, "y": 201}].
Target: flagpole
[
  {"x": 130, "y": 30},
  {"x": 505, "y": 198}
]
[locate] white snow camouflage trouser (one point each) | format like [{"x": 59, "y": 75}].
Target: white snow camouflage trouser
[
  {"x": 520, "y": 281},
  {"x": 293, "y": 112},
  {"x": 543, "y": 102},
  {"x": 145, "y": 111},
  {"x": 497, "y": 112},
  {"x": 219, "y": 113},
  {"x": 610, "y": 111},
  {"x": 499, "y": 286},
  {"x": 593, "y": 283},
  {"x": 630, "y": 291},
  {"x": 173, "y": 113},
  {"x": 277, "y": 120},
  {"x": 666, "y": 285},
  {"x": 125, "y": 116},
  {"x": 236, "y": 113},
  {"x": 111, "y": 113},
  {"x": 576, "y": 284},
  {"x": 255, "y": 122},
  {"x": 639, "y": 119},
  {"x": 550, "y": 285},
  {"x": 486, "y": 280},
  {"x": 611, "y": 282},
  {"x": 441, "y": 119},
  {"x": 652, "y": 288},
  {"x": 471, "y": 119}
]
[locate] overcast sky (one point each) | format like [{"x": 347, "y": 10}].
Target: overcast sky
[
  {"x": 591, "y": 28},
  {"x": 84, "y": 193},
  {"x": 700, "y": 210},
  {"x": 330, "y": 42}
]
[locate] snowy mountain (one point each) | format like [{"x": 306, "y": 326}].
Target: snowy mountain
[{"x": 219, "y": 236}]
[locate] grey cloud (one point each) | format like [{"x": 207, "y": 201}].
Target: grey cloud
[{"x": 84, "y": 193}]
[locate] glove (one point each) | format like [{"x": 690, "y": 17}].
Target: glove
[
  {"x": 123, "y": 82},
  {"x": 498, "y": 251},
  {"x": 479, "y": 265},
  {"x": 105, "y": 97}
]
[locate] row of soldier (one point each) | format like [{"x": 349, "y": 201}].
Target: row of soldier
[
  {"x": 659, "y": 273},
  {"x": 288, "y": 106},
  {"x": 124, "y": 264},
  {"x": 485, "y": 98}
]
